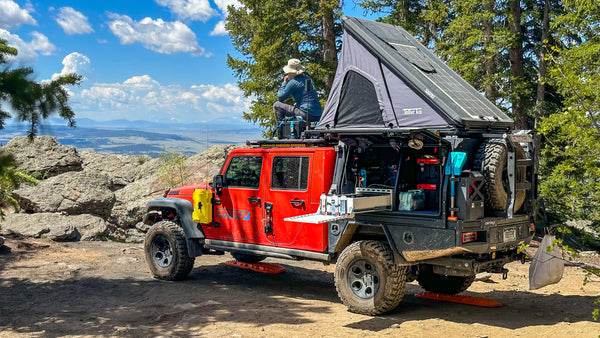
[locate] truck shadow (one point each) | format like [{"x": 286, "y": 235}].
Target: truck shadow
[{"x": 218, "y": 293}]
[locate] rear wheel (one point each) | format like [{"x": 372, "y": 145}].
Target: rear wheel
[
  {"x": 367, "y": 280},
  {"x": 246, "y": 258},
  {"x": 437, "y": 283},
  {"x": 166, "y": 251}
]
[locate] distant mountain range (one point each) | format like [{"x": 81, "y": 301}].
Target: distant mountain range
[{"x": 140, "y": 137}]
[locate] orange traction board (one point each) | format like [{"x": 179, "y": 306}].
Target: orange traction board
[
  {"x": 260, "y": 267},
  {"x": 469, "y": 300}
]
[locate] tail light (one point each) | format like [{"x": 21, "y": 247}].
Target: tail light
[{"x": 469, "y": 237}]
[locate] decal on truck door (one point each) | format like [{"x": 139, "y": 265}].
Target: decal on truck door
[{"x": 243, "y": 215}]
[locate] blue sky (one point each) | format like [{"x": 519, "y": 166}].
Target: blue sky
[{"x": 154, "y": 60}]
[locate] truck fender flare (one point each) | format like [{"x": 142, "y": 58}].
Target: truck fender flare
[
  {"x": 351, "y": 228},
  {"x": 184, "y": 209}
]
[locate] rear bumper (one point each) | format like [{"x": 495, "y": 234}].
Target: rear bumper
[{"x": 496, "y": 234}]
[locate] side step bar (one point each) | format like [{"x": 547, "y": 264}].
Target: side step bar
[{"x": 265, "y": 250}]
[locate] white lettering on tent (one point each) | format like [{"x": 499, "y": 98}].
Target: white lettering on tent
[
  {"x": 429, "y": 93},
  {"x": 413, "y": 111}
]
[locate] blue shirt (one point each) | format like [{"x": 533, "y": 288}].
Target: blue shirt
[{"x": 302, "y": 89}]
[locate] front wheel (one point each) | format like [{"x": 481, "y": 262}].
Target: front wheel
[
  {"x": 166, "y": 251},
  {"x": 367, "y": 280}
]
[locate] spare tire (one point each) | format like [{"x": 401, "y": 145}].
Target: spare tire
[{"x": 491, "y": 161}]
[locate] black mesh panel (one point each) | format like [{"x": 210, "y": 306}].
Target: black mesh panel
[{"x": 358, "y": 103}]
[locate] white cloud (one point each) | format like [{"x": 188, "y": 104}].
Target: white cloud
[
  {"x": 41, "y": 43},
  {"x": 198, "y": 10},
  {"x": 223, "y": 7},
  {"x": 72, "y": 21},
  {"x": 223, "y": 4},
  {"x": 12, "y": 15},
  {"x": 219, "y": 29},
  {"x": 28, "y": 51},
  {"x": 74, "y": 63},
  {"x": 156, "y": 35},
  {"x": 143, "y": 98}
]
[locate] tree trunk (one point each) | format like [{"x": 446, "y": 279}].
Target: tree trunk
[
  {"x": 541, "y": 89},
  {"x": 516, "y": 65},
  {"x": 329, "y": 52},
  {"x": 489, "y": 65}
]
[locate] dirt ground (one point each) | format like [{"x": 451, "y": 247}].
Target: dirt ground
[{"x": 105, "y": 289}]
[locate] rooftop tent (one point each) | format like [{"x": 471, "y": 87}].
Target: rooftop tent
[{"x": 387, "y": 79}]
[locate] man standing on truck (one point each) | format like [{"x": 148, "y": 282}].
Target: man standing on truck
[{"x": 299, "y": 86}]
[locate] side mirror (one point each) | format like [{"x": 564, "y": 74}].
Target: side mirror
[{"x": 218, "y": 184}]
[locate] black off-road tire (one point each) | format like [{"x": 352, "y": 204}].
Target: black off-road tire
[
  {"x": 166, "y": 251},
  {"x": 436, "y": 283},
  {"x": 367, "y": 280},
  {"x": 491, "y": 161},
  {"x": 246, "y": 258}
]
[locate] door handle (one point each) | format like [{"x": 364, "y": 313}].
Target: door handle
[
  {"x": 297, "y": 202},
  {"x": 254, "y": 199}
]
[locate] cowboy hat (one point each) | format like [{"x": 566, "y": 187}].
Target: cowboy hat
[{"x": 293, "y": 67}]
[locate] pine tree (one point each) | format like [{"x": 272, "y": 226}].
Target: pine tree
[
  {"x": 32, "y": 101},
  {"x": 571, "y": 167},
  {"x": 266, "y": 33}
]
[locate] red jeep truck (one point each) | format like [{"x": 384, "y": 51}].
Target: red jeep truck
[{"x": 266, "y": 201}]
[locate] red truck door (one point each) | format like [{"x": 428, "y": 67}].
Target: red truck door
[
  {"x": 239, "y": 214},
  {"x": 291, "y": 191}
]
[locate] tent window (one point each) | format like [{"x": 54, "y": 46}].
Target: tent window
[{"x": 358, "y": 102}]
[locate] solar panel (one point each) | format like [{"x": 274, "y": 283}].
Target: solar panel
[
  {"x": 439, "y": 77},
  {"x": 414, "y": 56}
]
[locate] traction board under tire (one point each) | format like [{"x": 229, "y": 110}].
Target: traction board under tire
[
  {"x": 469, "y": 300},
  {"x": 260, "y": 267}
]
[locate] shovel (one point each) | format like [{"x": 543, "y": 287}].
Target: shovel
[{"x": 454, "y": 166}]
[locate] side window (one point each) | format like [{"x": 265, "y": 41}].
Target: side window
[
  {"x": 244, "y": 171},
  {"x": 290, "y": 172}
]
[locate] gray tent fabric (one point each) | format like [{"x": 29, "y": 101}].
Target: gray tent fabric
[{"x": 387, "y": 79}]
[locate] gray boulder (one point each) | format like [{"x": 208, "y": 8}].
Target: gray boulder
[
  {"x": 56, "y": 227},
  {"x": 202, "y": 167},
  {"x": 130, "y": 205},
  {"x": 44, "y": 156},
  {"x": 72, "y": 193},
  {"x": 135, "y": 234},
  {"x": 123, "y": 169}
]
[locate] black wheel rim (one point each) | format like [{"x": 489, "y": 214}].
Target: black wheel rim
[
  {"x": 162, "y": 254},
  {"x": 363, "y": 279}
]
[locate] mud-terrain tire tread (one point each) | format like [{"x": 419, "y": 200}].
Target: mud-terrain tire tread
[
  {"x": 490, "y": 160},
  {"x": 449, "y": 285},
  {"x": 391, "y": 291},
  {"x": 182, "y": 263},
  {"x": 246, "y": 258}
]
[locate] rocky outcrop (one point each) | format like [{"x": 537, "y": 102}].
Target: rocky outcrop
[
  {"x": 131, "y": 201},
  {"x": 202, "y": 167},
  {"x": 73, "y": 193},
  {"x": 123, "y": 169},
  {"x": 57, "y": 227},
  {"x": 43, "y": 156},
  {"x": 87, "y": 195}
]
